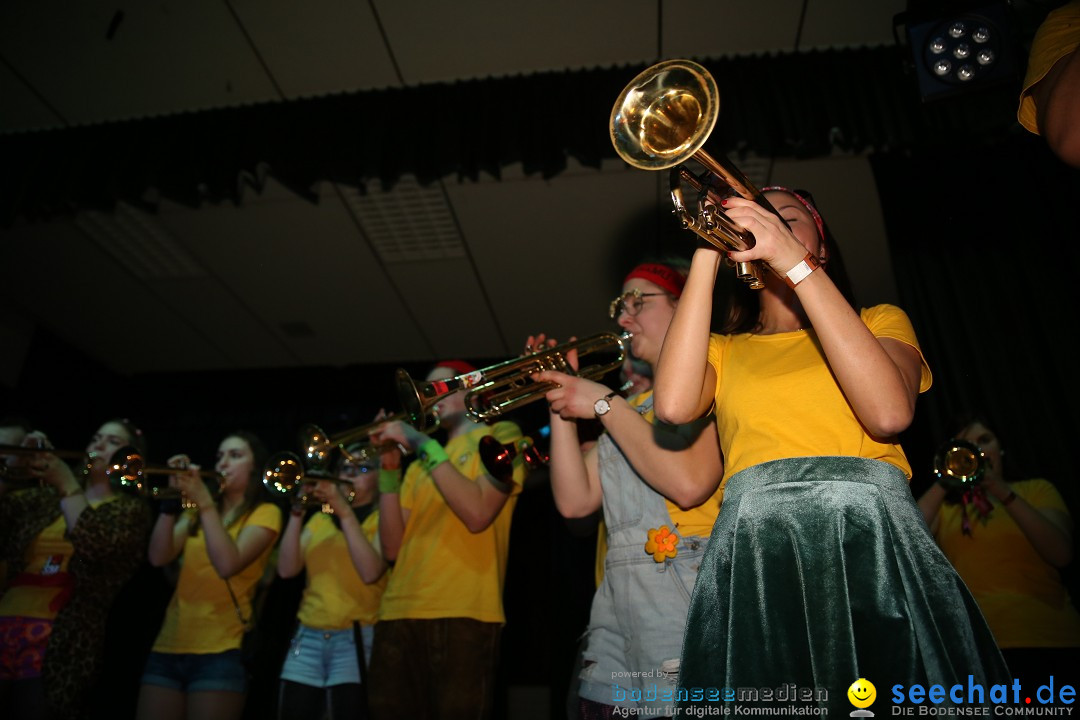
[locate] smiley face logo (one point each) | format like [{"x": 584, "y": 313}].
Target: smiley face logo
[{"x": 862, "y": 693}]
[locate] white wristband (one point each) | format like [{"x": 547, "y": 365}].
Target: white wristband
[{"x": 800, "y": 272}]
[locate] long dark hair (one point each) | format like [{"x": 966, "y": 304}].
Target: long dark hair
[
  {"x": 253, "y": 493},
  {"x": 743, "y": 309}
]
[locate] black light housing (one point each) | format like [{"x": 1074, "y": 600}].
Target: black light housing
[{"x": 961, "y": 48}]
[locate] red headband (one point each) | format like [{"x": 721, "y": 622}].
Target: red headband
[
  {"x": 809, "y": 206},
  {"x": 669, "y": 279},
  {"x": 460, "y": 367}
]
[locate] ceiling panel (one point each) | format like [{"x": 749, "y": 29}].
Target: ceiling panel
[
  {"x": 294, "y": 263},
  {"x": 849, "y": 23},
  {"x": 20, "y": 108},
  {"x": 448, "y": 302},
  {"x": 330, "y": 46},
  {"x": 69, "y": 285},
  {"x": 164, "y": 57},
  {"x": 435, "y": 42},
  {"x": 718, "y": 29}
]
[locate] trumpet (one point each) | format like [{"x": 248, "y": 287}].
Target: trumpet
[
  {"x": 661, "y": 120},
  {"x": 283, "y": 476},
  {"x": 127, "y": 469},
  {"x": 959, "y": 464},
  {"x": 17, "y": 475},
  {"x": 498, "y": 458},
  {"x": 499, "y": 388},
  {"x": 317, "y": 444}
]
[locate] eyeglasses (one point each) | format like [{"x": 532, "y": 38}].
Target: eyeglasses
[
  {"x": 629, "y": 303},
  {"x": 354, "y": 469}
]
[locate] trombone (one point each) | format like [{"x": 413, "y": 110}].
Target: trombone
[
  {"x": 661, "y": 120},
  {"x": 499, "y": 388},
  {"x": 959, "y": 464},
  {"x": 128, "y": 469},
  {"x": 283, "y": 476}
]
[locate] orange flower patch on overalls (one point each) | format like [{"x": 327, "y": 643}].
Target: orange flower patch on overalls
[{"x": 661, "y": 544}]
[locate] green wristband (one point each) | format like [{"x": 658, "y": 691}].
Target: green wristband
[
  {"x": 431, "y": 454},
  {"x": 390, "y": 481}
]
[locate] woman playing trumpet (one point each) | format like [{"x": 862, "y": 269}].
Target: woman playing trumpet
[
  {"x": 324, "y": 667},
  {"x": 70, "y": 545},
  {"x": 195, "y": 669},
  {"x": 819, "y": 569},
  {"x": 658, "y": 488},
  {"x": 1010, "y": 558}
]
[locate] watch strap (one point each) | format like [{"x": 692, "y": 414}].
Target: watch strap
[{"x": 800, "y": 272}]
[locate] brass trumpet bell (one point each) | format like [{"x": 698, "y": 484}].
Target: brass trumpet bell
[
  {"x": 284, "y": 477},
  {"x": 662, "y": 119},
  {"x": 498, "y": 458},
  {"x": 959, "y": 464},
  {"x": 664, "y": 116}
]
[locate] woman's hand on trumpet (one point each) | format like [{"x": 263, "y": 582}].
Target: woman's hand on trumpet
[
  {"x": 333, "y": 494},
  {"x": 573, "y": 397},
  {"x": 394, "y": 439},
  {"x": 776, "y": 244},
  {"x": 48, "y": 468},
  {"x": 189, "y": 482}
]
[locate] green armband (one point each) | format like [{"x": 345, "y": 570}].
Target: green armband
[
  {"x": 431, "y": 454},
  {"x": 390, "y": 481}
]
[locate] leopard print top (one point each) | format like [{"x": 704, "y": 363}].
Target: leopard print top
[{"x": 110, "y": 542}]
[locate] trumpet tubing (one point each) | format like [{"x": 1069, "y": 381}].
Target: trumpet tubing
[
  {"x": 18, "y": 476},
  {"x": 662, "y": 119},
  {"x": 128, "y": 469},
  {"x": 317, "y": 444},
  {"x": 500, "y": 388}
]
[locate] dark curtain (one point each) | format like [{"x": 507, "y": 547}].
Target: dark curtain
[
  {"x": 802, "y": 105},
  {"x": 984, "y": 243}
]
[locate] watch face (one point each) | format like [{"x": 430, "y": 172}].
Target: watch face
[{"x": 601, "y": 406}]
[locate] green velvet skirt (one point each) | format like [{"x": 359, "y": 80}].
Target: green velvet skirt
[{"x": 821, "y": 571}]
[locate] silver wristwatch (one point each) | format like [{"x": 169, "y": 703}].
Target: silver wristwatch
[{"x": 602, "y": 406}]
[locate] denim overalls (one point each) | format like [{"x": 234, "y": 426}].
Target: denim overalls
[{"x": 635, "y": 632}]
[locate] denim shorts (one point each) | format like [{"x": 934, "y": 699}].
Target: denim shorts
[
  {"x": 193, "y": 673},
  {"x": 322, "y": 658}
]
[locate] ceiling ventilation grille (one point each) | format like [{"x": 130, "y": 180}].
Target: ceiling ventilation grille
[
  {"x": 409, "y": 223},
  {"x": 137, "y": 241}
]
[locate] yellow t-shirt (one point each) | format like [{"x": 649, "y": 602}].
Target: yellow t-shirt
[
  {"x": 697, "y": 520},
  {"x": 1058, "y": 35},
  {"x": 334, "y": 595},
  {"x": 442, "y": 569},
  {"x": 41, "y": 589},
  {"x": 777, "y": 398},
  {"x": 1019, "y": 593},
  {"x": 201, "y": 617}
]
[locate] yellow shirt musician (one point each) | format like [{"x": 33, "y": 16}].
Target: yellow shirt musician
[
  {"x": 447, "y": 530},
  {"x": 344, "y": 580}
]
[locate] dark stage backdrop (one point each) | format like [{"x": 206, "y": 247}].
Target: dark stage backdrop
[{"x": 984, "y": 243}]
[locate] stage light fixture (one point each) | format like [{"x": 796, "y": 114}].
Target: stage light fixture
[{"x": 966, "y": 50}]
